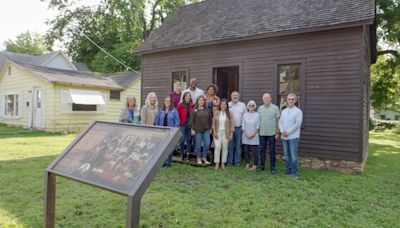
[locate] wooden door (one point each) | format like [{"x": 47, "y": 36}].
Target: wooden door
[{"x": 227, "y": 80}]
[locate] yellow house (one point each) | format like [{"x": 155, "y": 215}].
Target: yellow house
[{"x": 61, "y": 99}]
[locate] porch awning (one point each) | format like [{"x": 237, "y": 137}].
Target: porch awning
[{"x": 87, "y": 97}]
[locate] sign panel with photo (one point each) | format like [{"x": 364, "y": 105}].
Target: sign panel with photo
[{"x": 112, "y": 155}]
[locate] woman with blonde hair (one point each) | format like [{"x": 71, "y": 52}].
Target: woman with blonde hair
[
  {"x": 250, "y": 138},
  {"x": 130, "y": 113},
  {"x": 149, "y": 109}
]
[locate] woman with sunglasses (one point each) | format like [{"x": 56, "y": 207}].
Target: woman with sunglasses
[{"x": 250, "y": 138}]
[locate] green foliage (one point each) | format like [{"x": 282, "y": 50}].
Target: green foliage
[
  {"x": 117, "y": 26},
  {"x": 385, "y": 91},
  {"x": 371, "y": 124},
  {"x": 397, "y": 128},
  {"x": 27, "y": 43},
  {"x": 385, "y": 88},
  {"x": 388, "y": 20},
  {"x": 104, "y": 63},
  {"x": 185, "y": 196}
]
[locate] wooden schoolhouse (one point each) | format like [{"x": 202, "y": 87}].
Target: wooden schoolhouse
[{"x": 319, "y": 49}]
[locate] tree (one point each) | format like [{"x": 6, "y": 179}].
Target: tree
[
  {"x": 385, "y": 91},
  {"x": 27, "y": 43},
  {"x": 115, "y": 27}
]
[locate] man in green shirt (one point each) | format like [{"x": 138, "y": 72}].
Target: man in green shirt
[{"x": 269, "y": 130}]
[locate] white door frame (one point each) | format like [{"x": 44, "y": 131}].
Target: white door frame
[{"x": 35, "y": 123}]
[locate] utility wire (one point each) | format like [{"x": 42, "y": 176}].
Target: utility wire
[{"x": 102, "y": 49}]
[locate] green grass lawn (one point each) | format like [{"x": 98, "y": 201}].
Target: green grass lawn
[{"x": 185, "y": 196}]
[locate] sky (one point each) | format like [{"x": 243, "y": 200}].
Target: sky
[{"x": 18, "y": 16}]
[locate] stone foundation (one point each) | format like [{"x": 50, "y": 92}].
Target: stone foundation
[
  {"x": 349, "y": 167},
  {"x": 342, "y": 166}
]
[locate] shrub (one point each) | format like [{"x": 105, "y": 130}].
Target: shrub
[
  {"x": 371, "y": 124},
  {"x": 397, "y": 128}
]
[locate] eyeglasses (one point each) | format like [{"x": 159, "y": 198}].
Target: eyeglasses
[{"x": 291, "y": 99}]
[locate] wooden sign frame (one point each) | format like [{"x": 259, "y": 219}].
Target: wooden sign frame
[{"x": 134, "y": 192}]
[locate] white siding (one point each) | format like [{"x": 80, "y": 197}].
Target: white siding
[
  {"x": 22, "y": 83},
  {"x": 75, "y": 121}
]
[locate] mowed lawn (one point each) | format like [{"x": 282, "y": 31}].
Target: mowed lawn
[{"x": 185, "y": 196}]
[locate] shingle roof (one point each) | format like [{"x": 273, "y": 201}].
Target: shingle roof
[
  {"x": 124, "y": 79},
  {"x": 15, "y": 57},
  {"x": 224, "y": 20},
  {"x": 34, "y": 60},
  {"x": 117, "y": 81},
  {"x": 40, "y": 60},
  {"x": 81, "y": 66}
]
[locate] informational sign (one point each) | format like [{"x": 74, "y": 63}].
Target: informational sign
[{"x": 122, "y": 158}]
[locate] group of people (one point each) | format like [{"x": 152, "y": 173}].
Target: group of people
[{"x": 205, "y": 120}]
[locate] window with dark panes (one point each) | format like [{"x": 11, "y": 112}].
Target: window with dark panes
[
  {"x": 383, "y": 117},
  {"x": 9, "y": 70},
  {"x": 179, "y": 76},
  {"x": 115, "y": 95},
  {"x": 83, "y": 107},
  {"x": 397, "y": 117},
  {"x": 289, "y": 82}
]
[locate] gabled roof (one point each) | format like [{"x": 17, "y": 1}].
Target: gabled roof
[
  {"x": 215, "y": 21},
  {"x": 117, "y": 81},
  {"x": 125, "y": 79},
  {"x": 15, "y": 57},
  {"x": 81, "y": 66},
  {"x": 40, "y": 60}
]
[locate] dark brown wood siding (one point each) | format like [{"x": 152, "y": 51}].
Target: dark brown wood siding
[
  {"x": 332, "y": 65},
  {"x": 365, "y": 90}
]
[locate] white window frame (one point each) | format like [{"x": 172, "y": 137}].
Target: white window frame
[{"x": 4, "y": 105}]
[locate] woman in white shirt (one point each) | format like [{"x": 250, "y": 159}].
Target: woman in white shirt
[
  {"x": 250, "y": 126},
  {"x": 222, "y": 128}
]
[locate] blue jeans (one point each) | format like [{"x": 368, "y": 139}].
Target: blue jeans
[
  {"x": 290, "y": 148},
  {"x": 247, "y": 153},
  {"x": 169, "y": 160},
  {"x": 235, "y": 148},
  {"x": 264, "y": 140},
  {"x": 203, "y": 137},
  {"x": 186, "y": 137}
]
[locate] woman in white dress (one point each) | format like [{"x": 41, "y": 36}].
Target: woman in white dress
[{"x": 250, "y": 126}]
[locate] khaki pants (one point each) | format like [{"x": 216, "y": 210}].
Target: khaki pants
[{"x": 221, "y": 143}]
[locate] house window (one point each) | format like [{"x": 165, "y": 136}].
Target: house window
[
  {"x": 115, "y": 95},
  {"x": 397, "y": 117},
  {"x": 82, "y": 101},
  {"x": 383, "y": 117},
  {"x": 289, "y": 82},
  {"x": 84, "y": 107},
  {"x": 11, "y": 108},
  {"x": 39, "y": 99},
  {"x": 9, "y": 70},
  {"x": 179, "y": 76}
]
